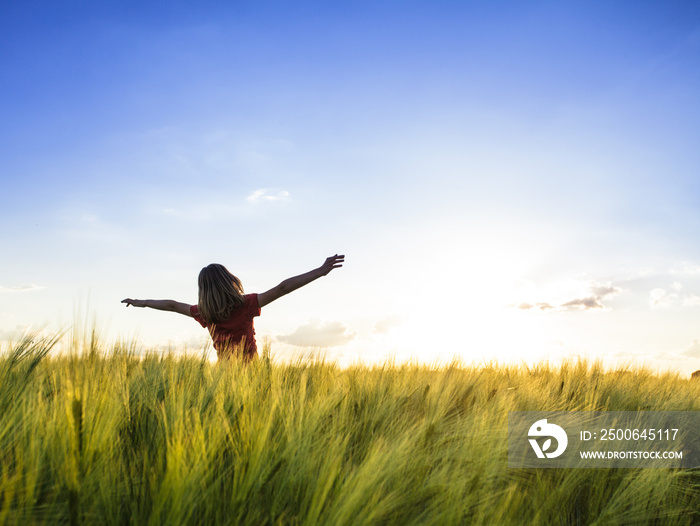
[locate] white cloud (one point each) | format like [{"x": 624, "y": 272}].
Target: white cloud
[
  {"x": 541, "y": 306},
  {"x": 660, "y": 299},
  {"x": 691, "y": 301},
  {"x": 694, "y": 350},
  {"x": 589, "y": 297},
  {"x": 21, "y": 288},
  {"x": 687, "y": 269},
  {"x": 386, "y": 324},
  {"x": 587, "y": 303},
  {"x": 317, "y": 334},
  {"x": 13, "y": 335},
  {"x": 263, "y": 194}
]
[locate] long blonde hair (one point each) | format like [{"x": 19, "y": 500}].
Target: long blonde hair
[{"x": 220, "y": 292}]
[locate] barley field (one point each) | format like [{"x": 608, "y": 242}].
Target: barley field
[{"x": 119, "y": 435}]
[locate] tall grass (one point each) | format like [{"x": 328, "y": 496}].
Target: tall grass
[{"x": 103, "y": 436}]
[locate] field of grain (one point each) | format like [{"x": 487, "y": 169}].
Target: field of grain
[{"x": 103, "y": 435}]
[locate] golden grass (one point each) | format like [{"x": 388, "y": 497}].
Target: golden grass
[{"x": 103, "y": 436}]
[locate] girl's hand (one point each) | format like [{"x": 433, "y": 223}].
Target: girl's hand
[
  {"x": 331, "y": 263},
  {"x": 135, "y": 303},
  {"x": 291, "y": 284}
]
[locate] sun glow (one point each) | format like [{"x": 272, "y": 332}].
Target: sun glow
[{"x": 469, "y": 280}]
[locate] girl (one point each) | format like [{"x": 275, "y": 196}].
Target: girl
[{"x": 227, "y": 312}]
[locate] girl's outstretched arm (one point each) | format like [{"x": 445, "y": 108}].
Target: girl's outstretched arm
[
  {"x": 288, "y": 285},
  {"x": 168, "y": 305}
]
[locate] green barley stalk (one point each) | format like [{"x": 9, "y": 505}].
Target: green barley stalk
[{"x": 122, "y": 435}]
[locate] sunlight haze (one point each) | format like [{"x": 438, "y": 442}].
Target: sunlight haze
[{"x": 509, "y": 181}]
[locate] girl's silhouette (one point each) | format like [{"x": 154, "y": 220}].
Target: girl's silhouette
[{"x": 227, "y": 312}]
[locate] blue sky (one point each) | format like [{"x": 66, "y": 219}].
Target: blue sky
[{"x": 508, "y": 180}]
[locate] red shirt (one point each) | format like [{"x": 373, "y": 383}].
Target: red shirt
[{"x": 238, "y": 326}]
